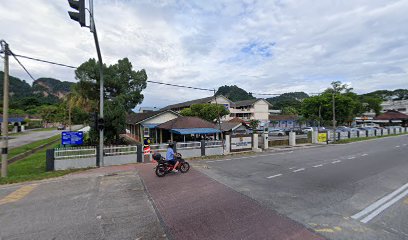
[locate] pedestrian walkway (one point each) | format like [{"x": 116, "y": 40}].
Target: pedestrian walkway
[{"x": 194, "y": 206}]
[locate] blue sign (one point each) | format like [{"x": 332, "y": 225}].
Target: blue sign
[{"x": 72, "y": 138}]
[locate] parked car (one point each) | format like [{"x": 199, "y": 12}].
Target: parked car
[
  {"x": 307, "y": 129},
  {"x": 61, "y": 127},
  {"x": 277, "y": 132}
]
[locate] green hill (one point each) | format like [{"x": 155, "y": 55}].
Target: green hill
[{"x": 234, "y": 93}]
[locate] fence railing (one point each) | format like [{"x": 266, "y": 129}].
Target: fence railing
[
  {"x": 119, "y": 150},
  {"x": 366, "y": 133},
  {"x": 188, "y": 145},
  {"x": 213, "y": 144},
  {"x": 74, "y": 152},
  {"x": 90, "y": 151}
]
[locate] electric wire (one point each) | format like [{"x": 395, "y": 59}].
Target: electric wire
[
  {"x": 149, "y": 81},
  {"x": 25, "y": 69}
]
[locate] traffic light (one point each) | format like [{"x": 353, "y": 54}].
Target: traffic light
[
  {"x": 93, "y": 120},
  {"x": 101, "y": 123},
  {"x": 79, "y": 16}
]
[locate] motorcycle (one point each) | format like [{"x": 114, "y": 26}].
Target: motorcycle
[{"x": 164, "y": 167}]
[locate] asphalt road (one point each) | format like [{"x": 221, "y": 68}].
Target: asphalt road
[
  {"x": 32, "y": 136},
  {"x": 322, "y": 188}
]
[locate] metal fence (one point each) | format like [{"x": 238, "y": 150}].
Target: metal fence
[
  {"x": 74, "y": 152},
  {"x": 90, "y": 151},
  {"x": 213, "y": 144},
  {"x": 366, "y": 133}
]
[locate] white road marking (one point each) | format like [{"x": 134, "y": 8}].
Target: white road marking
[
  {"x": 291, "y": 168},
  {"x": 378, "y": 204},
  {"x": 277, "y": 175},
  {"x": 255, "y": 156},
  {"x": 298, "y": 170},
  {"x": 404, "y": 144},
  {"x": 397, "y": 146},
  {"x": 337, "y": 161},
  {"x": 383, "y": 207},
  {"x": 320, "y": 165},
  {"x": 365, "y": 154},
  {"x": 351, "y": 157}
]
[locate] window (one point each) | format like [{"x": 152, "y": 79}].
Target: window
[{"x": 146, "y": 132}]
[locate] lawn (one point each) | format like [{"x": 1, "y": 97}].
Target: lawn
[
  {"x": 31, "y": 168},
  {"x": 18, "y": 150}
]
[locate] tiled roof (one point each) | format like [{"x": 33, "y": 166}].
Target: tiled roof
[
  {"x": 283, "y": 117},
  {"x": 228, "y": 126},
  {"x": 392, "y": 115},
  {"x": 186, "y": 122},
  {"x": 245, "y": 102},
  {"x": 189, "y": 103},
  {"x": 237, "y": 120},
  {"x": 134, "y": 118}
]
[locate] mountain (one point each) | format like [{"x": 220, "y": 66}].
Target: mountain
[
  {"x": 398, "y": 94},
  {"x": 18, "y": 88},
  {"x": 293, "y": 99},
  {"x": 51, "y": 87},
  {"x": 45, "y": 90},
  {"x": 234, "y": 93}
]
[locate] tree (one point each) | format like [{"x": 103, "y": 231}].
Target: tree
[
  {"x": 254, "y": 123},
  {"x": 289, "y": 111},
  {"x": 122, "y": 92},
  {"x": 206, "y": 111}
]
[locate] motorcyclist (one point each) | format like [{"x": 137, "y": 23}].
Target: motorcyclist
[{"x": 171, "y": 158}]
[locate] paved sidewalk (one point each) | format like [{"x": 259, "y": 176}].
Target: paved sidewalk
[{"x": 194, "y": 206}]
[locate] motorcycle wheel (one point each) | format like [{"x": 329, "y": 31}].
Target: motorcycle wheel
[
  {"x": 184, "y": 167},
  {"x": 160, "y": 171}
]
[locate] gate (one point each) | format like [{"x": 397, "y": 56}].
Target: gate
[{"x": 241, "y": 142}]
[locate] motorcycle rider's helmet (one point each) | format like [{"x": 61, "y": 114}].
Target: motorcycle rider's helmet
[{"x": 171, "y": 145}]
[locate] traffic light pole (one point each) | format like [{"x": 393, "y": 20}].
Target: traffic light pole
[
  {"x": 101, "y": 100},
  {"x": 4, "y": 124}
]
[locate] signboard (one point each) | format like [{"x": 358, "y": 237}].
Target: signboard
[
  {"x": 322, "y": 137},
  {"x": 241, "y": 143},
  {"x": 72, "y": 138}
]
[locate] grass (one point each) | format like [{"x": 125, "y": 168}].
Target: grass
[
  {"x": 350, "y": 140},
  {"x": 31, "y": 168},
  {"x": 18, "y": 150}
]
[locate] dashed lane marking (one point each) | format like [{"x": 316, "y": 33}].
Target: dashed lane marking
[
  {"x": 365, "y": 154},
  {"x": 351, "y": 157},
  {"x": 316, "y": 166},
  {"x": 274, "y": 176},
  {"x": 298, "y": 170},
  {"x": 18, "y": 194},
  {"x": 397, "y": 146},
  {"x": 337, "y": 161}
]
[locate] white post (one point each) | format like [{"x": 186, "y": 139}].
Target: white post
[
  {"x": 255, "y": 142},
  {"x": 292, "y": 139},
  {"x": 227, "y": 143},
  {"x": 315, "y": 137},
  {"x": 266, "y": 140}
]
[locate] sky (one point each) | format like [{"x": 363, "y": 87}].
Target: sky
[{"x": 268, "y": 46}]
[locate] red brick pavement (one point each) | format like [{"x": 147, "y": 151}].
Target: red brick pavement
[{"x": 194, "y": 206}]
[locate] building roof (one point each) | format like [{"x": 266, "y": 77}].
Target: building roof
[
  {"x": 283, "y": 117},
  {"x": 392, "y": 115},
  {"x": 249, "y": 102},
  {"x": 186, "y": 122},
  {"x": 237, "y": 120},
  {"x": 188, "y": 131},
  {"x": 135, "y": 118},
  {"x": 228, "y": 126},
  {"x": 189, "y": 103}
]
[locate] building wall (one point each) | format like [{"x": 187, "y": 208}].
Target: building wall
[
  {"x": 162, "y": 118},
  {"x": 226, "y": 103},
  {"x": 399, "y": 105},
  {"x": 261, "y": 111}
]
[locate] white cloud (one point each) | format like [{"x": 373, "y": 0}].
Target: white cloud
[{"x": 262, "y": 46}]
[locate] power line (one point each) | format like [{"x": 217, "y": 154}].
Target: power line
[
  {"x": 25, "y": 69},
  {"x": 181, "y": 86},
  {"x": 45, "y": 61}
]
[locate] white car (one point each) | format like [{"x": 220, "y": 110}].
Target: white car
[
  {"x": 307, "y": 129},
  {"x": 277, "y": 132}
]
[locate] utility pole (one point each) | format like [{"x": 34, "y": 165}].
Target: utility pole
[
  {"x": 334, "y": 115},
  {"x": 4, "y": 124},
  {"x": 69, "y": 112}
]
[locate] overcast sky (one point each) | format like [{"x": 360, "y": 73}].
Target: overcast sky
[{"x": 268, "y": 46}]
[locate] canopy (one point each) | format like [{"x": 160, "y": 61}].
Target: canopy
[{"x": 186, "y": 131}]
